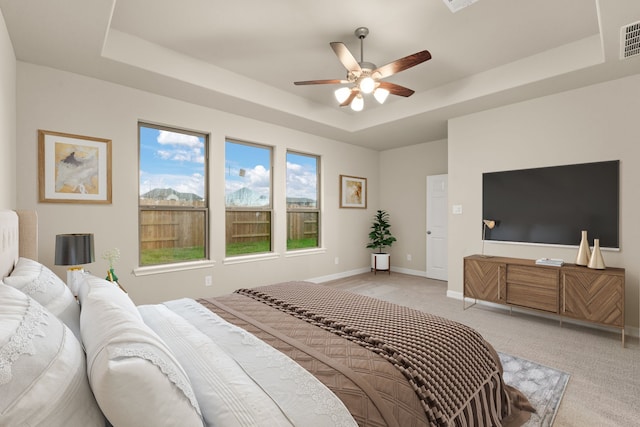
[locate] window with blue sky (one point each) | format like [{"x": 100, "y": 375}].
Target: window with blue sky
[
  {"x": 172, "y": 160},
  {"x": 248, "y": 198},
  {"x": 302, "y": 178},
  {"x": 303, "y": 196},
  {"x": 247, "y": 175},
  {"x": 173, "y": 200}
]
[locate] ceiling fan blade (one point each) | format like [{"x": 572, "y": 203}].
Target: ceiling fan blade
[
  {"x": 347, "y": 59},
  {"x": 321, "y": 82},
  {"x": 396, "y": 89},
  {"x": 350, "y": 98},
  {"x": 402, "y": 64}
]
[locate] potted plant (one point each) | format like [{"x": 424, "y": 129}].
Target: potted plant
[{"x": 380, "y": 238}]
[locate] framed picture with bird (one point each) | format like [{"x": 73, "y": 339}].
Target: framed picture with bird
[{"x": 73, "y": 168}]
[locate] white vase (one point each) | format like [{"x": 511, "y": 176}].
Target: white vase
[
  {"x": 380, "y": 261},
  {"x": 596, "y": 261},
  {"x": 584, "y": 254}
]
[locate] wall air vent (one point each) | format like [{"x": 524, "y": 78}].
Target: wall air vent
[{"x": 630, "y": 40}]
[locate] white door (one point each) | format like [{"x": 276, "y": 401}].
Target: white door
[{"x": 437, "y": 227}]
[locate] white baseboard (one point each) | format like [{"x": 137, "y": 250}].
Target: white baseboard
[
  {"x": 345, "y": 274},
  {"x": 409, "y": 271},
  {"x": 630, "y": 331},
  {"x": 340, "y": 275}
]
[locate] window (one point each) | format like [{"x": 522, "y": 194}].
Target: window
[
  {"x": 173, "y": 202},
  {"x": 247, "y": 198},
  {"x": 303, "y": 195}
]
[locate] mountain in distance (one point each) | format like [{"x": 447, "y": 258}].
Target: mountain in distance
[
  {"x": 246, "y": 197},
  {"x": 170, "y": 194},
  {"x": 242, "y": 197}
]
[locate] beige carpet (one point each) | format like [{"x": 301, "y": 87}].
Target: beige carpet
[{"x": 604, "y": 389}]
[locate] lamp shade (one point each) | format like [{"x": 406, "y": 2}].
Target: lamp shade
[
  {"x": 342, "y": 94},
  {"x": 381, "y": 95},
  {"x": 74, "y": 249},
  {"x": 358, "y": 103}
]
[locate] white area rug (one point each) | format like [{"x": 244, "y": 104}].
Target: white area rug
[{"x": 543, "y": 386}]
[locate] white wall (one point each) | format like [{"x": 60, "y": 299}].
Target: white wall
[
  {"x": 403, "y": 193},
  {"x": 7, "y": 119},
  {"x": 591, "y": 124},
  {"x": 59, "y": 101}
]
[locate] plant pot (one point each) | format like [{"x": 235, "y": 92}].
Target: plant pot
[{"x": 381, "y": 262}]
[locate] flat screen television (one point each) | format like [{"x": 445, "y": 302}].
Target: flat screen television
[{"x": 552, "y": 205}]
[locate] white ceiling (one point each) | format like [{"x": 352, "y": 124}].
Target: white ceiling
[{"x": 243, "y": 56}]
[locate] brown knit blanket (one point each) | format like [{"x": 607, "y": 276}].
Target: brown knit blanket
[{"x": 453, "y": 370}]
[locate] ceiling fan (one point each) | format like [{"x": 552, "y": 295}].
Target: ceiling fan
[{"x": 365, "y": 77}]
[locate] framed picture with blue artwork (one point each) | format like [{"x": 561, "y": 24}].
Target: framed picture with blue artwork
[{"x": 73, "y": 168}]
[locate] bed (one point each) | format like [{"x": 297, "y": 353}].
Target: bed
[{"x": 286, "y": 354}]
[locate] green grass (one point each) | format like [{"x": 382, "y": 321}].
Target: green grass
[
  {"x": 248, "y": 248},
  {"x": 310, "y": 242},
  {"x": 171, "y": 255}
]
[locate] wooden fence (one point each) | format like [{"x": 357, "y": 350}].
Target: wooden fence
[
  {"x": 171, "y": 229},
  {"x": 180, "y": 229},
  {"x": 248, "y": 226},
  {"x": 302, "y": 225}
]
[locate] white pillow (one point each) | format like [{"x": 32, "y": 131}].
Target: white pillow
[
  {"x": 44, "y": 286},
  {"x": 43, "y": 378},
  {"x": 136, "y": 379}
]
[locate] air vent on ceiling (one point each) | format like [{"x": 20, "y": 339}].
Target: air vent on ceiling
[{"x": 630, "y": 40}]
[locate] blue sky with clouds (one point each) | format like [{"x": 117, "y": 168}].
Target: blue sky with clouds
[
  {"x": 249, "y": 166},
  {"x": 171, "y": 160},
  {"x": 176, "y": 160}
]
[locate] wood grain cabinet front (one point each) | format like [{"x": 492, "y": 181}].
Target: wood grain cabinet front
[
  {"x": 533, "y": 287},
  {"x": 571, "y": 291},
  {"x": 596, "y": 296},
  {"x": 485, "y": 279}
]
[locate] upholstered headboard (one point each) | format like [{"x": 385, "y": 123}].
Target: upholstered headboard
[{"x": 18, "y": 237}]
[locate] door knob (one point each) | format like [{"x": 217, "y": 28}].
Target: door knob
[{"x": 429, "y": 232}]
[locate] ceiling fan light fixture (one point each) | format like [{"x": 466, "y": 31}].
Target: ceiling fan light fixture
[
  {"x": 365, "y": 77},
  {"x": 367, "y": 84},
  {"x": 381, "y": 95},
  {"x": 358, "y": 103},
  {"x": 342, "y": 94}
]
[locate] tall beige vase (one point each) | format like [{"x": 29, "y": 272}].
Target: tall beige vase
[
  {"x": 596, "y": 261},
  {"x": 584, "y": 254}
]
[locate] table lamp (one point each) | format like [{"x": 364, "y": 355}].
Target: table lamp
[
  {"x": 74, "y": 250},
  {"x": 490, "y": 224}
]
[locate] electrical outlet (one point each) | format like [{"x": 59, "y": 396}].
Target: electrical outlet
[
  {"x": 408, "y": 257},
  {"x": 336, "y": 260},
  {"x": 207, "y": 281}
]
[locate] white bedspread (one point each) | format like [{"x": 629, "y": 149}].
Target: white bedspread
[{"x": 238, "y": 379}]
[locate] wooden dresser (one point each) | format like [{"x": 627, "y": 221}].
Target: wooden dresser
[{"x": 569, "y": 291}]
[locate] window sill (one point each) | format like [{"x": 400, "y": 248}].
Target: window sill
[
  {"x": 170, "y": 268},
  {"x": 250, "y": 258},
  {"x": 303, "y": 252}
]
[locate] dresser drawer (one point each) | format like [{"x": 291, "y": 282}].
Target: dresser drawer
[
  {"x": 533, "y": 287},
  {"x": 534, "y": 276},
  {"x": 540, "y": 298}
]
